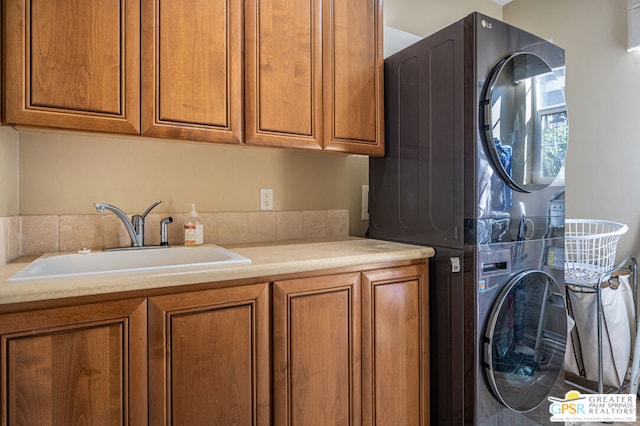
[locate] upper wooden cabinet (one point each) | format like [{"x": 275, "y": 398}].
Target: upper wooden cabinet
[
  {"x": 283, "y": 98},
  {"x": 192, "y": 69},
  {"x": 353, "y": 72},
  {"x": 290, "y": 73},
  {"x": 314, "y": 75},
  {"x": 73, "y": 64},
  {"x": 1, "y": 72}
]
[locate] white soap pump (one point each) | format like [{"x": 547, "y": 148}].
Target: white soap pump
[{"x": 193, "y": 229}]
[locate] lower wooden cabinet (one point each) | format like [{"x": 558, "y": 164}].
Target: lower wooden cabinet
[
  {"x": 395, "y": 346},
  {"x": 335, "y": 349},
  {"x": 316, "y": 350},
  {"x": 352, "y": 349},
  {"x": 209, "y": 357},
  {"x": 76, "y": 365}
]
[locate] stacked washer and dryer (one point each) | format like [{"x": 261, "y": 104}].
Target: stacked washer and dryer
[{"x": 476, "y": 133}]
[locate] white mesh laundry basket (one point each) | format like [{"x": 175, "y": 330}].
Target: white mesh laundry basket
[{"x": 590, "y": 249}]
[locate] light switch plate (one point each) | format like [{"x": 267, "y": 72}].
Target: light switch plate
[{"x": 365, "y": 202}]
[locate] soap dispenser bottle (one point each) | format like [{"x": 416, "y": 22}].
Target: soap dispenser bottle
[{"x": 193, "y": 229}]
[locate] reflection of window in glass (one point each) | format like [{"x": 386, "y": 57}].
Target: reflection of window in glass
[
  {"x": 550, "y": 89},
  {"x": 554, "y": 132},
  {"x": 528, "y": 143},
  {"x": 553, "y": 125},
  {"x": 496, "y": 109}
]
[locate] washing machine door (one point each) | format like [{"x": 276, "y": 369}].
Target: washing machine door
[
  {"x": 525, "y": 340},
  {"x": 524, "y": 123}
]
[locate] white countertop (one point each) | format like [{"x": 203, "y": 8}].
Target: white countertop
[{"x": 266, "y": 261}]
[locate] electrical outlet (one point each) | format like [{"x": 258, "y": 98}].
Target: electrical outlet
[
  {"x": 266, "y": 199},
  {"x": 365, "y": 202}
]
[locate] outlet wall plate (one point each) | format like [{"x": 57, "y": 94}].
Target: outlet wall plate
[{"x": 266, "y": 199}]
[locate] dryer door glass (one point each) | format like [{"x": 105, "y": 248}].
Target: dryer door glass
[
  {"x": 523, "y": 119},
  {"x": 525, "y": 340}
]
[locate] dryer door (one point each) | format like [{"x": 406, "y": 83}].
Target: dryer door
[
  {"x": 524, "y": 124},
  {"x": 525, "y": 340}
]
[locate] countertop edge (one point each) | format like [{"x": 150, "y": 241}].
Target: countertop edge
[{"x": 267, "y": 260}]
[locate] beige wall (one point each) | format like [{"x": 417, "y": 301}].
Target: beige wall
[
  {"x": 424, "y": 17},
  {"x": 65, "y": 173},
  {"x": 603, "y": 100},
  {"x": 8, "y": 172}
]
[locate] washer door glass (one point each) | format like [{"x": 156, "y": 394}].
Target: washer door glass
[
  {"x": 525, "y": 340},
  {"x": 523, "y": 119}
]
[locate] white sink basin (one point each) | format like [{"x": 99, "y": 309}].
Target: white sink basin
[{"x": 110, "y": 262}]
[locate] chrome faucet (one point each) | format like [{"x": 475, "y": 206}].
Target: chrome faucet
[{"x": 135, "y": 226}]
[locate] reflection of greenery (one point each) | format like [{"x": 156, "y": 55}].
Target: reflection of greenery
[{"x": 555, "y": 134}]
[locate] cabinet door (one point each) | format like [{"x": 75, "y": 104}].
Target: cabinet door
[
  {"x": 353, "y": 76},
  {"x": 76, "y": 365},
  {"x": 209, "y": 357},
  {"x": 284, "y": 73},
  {"x": 2, "y": 37},
  {"x": 73, "y": 64},
  {"x": 192, "y": 69},
  {"x": 316, "y": 350},
  {"x": 395, "y": 346}
]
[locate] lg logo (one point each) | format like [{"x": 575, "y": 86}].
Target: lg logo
[{"x": 486, "y": 24}]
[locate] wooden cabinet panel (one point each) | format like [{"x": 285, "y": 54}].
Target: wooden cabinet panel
[
  {"x": 290, "y": 73},
  {"x": 209, "y": 357},
  {"x": 1, "y": 65},
  {"x": 73, "y": 64},
  {"x": 353, "y": 73},
  {"x": 314, "y": 75},
  {"x": 395, "y": 346},
  {"x": 192, "y": 69},
  {"x": 316, "y": 350},
  {"x": 68, "y": 366},
  {"x": 284, "y": 73}
]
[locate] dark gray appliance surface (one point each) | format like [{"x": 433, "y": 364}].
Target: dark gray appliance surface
[
  {"x": 461, "y": 300},
  {"x": 416, "y": 190},
  {"x": 433, "y": 184},
  {"x": 451, "y": 333},
  {"x": 514, "y": 277},
  {"x": 428, "y": 190}
]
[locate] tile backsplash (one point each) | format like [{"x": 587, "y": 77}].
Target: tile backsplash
[
  {"x": 34, "y": 235},
  {"x": 9, "y": 238}
]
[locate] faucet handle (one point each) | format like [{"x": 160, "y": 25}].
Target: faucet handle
[
  {"x": 151, "y": 207},
  {"x": 138, "y": 220}
]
